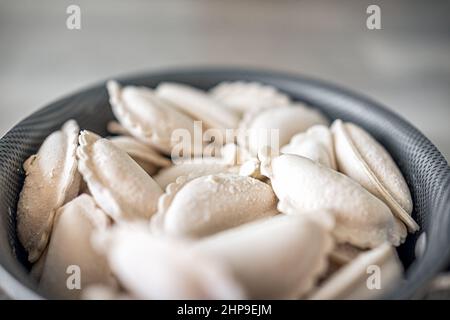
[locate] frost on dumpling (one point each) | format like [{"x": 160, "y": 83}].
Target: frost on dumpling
[
  {"x": 51, "y": 180},
  {"x": 212, "y": 203}
]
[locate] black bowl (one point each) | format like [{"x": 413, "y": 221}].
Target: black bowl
[{"x": 425, "y": 169}]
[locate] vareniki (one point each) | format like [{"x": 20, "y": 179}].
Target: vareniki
[{"x": 284, "y": 206}]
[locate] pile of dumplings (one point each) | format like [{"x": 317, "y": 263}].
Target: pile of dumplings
[{"x": 307, "y": 222}]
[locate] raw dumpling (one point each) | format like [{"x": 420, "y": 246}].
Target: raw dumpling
[
  {"x": 315, "y": 144},
  {"x": 369, "y": 276},
  {"x": 144, "y": 155},
  {"x": 199, "y": 105},
  {"x": 274, "y": 127},
  {"x": 51, "y": 180},
  {"x": 148, "y": 118},
  {"x": 212, "y": 203},
  {"x": 118, "y": 184},
  {"x": 363, "y": 159},
  {"x": 275, "y": 258},
  {"x": 70, "y": 253},
  {"x": 150, "y": 267},
  {"x": 242, "y": 96},
  {"x": 192, "y": 169},
  {"x": 303, "y": 186}
]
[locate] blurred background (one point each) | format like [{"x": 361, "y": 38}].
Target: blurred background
[{"x": 405, "y": 65}]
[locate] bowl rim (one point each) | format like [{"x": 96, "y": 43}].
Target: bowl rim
[{"x": 16, "y": 289}]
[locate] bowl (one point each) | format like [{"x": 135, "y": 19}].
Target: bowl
[{"x": 425, "y": 169}]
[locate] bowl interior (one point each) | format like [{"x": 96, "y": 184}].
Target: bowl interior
[{"x": 425, "y": 169}]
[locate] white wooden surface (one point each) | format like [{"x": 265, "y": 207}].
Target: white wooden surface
[{"x": 406, "y": 65}]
